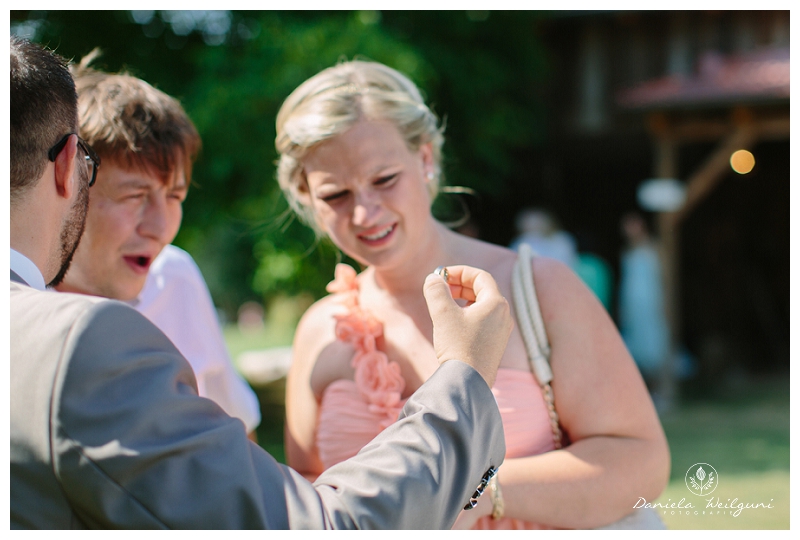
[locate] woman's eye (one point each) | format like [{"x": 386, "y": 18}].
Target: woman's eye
[
  {"x": 384, "y": 180},
  {"x": 333, "y": 196}
]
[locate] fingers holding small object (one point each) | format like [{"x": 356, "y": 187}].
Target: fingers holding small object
[
  {"x": 456, "y": 289},
  {"x": 438, "y": 294},
  {"x": 476, "y": 333},
  {"x": 442, "y": 271},
  {"x": 468, "y": 283}
]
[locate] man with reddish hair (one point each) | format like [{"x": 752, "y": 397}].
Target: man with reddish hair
[{"x": 148, "y": 145}]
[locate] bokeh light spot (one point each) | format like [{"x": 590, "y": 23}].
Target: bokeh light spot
[{"x": 742, "y": 161}]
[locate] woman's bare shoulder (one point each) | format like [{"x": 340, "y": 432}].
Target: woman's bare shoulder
[
  {"x": 548, "y": 270},
  {"x": 317, "y": 326},
  {"x": 557, "y": 284},
  {"x": 318, "y": 356},
  {"x": 495, "y": 259}
]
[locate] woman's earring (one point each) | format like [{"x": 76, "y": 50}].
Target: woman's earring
[{"x": 429, "y": 176}]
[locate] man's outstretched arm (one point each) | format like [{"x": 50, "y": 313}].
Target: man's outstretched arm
[{"x": 135, "y": 447}]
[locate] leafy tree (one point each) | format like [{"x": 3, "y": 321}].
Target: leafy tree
[{"x": 232, "y": 71}]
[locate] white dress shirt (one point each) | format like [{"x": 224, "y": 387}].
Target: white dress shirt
[
  {"x": 25, "y": 269},
  {"x": 176, "y": 299}
]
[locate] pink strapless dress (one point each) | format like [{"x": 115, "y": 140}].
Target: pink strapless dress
[{"x": 352, "y": 413}]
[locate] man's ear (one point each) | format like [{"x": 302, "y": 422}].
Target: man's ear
[{"x": 66, "y": 183}]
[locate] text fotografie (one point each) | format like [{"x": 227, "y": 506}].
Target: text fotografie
[{"x": 712, "y": 503}]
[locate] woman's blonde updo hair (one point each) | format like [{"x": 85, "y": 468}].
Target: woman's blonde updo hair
[{"x": 331, "y": 102}]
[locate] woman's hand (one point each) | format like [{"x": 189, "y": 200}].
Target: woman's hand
[{"x": 476, "y": 334}]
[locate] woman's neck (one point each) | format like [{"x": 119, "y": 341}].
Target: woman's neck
[{"x": 406, "y": 278}]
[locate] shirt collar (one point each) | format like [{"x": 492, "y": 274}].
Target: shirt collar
[{"x": 28, "y": 271}]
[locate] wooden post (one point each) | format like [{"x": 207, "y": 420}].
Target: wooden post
[
  {"x": 666, "y": 167},
  {"x": 698, "y": 186},
  {"x": 705, "y": 179},
  {"x": 669, "y": 236},
  {"x": 742, "y": 130}
]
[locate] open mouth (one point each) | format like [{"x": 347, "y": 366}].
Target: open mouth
[
  {"x": 378, "y": 235},
  {"x": 140, "y": 263}
]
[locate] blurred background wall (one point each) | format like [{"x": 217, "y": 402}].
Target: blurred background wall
[{"x": 568, "y": 111}]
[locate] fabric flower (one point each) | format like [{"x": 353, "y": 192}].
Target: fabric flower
[
  {"x": 378, "y": 379},
  {"x": 358, "y": 329},
  {"x": 381, "y": 384},
  {"x": 344, "y": 279}
]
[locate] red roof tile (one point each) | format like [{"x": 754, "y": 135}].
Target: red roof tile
[{"x": 758, "y": 76}]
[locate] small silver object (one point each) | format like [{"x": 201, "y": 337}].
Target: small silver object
[{"x": 442, "y": 271}]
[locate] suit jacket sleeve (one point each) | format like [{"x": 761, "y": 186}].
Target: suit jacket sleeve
[{"x": 135, "y": 447}]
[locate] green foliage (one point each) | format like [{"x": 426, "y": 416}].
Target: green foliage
[{"x": 232, "y": 71}]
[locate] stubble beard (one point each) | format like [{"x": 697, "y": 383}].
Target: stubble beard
[{"x": 72, "y": 231}]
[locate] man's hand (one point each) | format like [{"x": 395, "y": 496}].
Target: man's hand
[{"x": 476, "y": 334}]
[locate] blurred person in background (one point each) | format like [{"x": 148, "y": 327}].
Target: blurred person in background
[
  {"x": 593, "y": 269},
  {"x": 540, "y": 229},
  {"x": 360, "y": 158},
  {"x": 642, "y": 320},
  {"x": 148, "y": 144}
]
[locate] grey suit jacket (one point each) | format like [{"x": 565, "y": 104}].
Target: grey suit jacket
[{"x": 107, "y": 431}]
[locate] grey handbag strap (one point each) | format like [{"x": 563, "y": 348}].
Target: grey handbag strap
[{"x": 531, "y": 326}]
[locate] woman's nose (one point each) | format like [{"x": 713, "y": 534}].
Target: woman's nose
[{"x": 367, "y": 210}]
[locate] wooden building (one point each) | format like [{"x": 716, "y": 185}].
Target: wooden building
[{"x": 638, "y": 95}]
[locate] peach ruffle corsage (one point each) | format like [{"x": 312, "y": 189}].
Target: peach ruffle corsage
[{"x": 378, "y": 379}]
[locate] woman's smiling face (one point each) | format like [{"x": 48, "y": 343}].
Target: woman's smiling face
[{"x": 368, "y": 191}]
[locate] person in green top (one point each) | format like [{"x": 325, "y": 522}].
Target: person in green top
[{"x": 593, "y": 270}]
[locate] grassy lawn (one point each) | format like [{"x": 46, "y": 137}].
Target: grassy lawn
[
  {"x": 271, "y": 396},
  {"x": 743, "y": 433},
  {"x": 239, "y": 342}
]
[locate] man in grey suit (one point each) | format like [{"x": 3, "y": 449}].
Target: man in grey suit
[{"x": 107, "y": 430}]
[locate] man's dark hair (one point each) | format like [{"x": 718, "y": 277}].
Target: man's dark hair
[{"x": 44, "y": 108}]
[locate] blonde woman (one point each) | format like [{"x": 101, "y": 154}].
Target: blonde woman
[{"x": 360, "y": 156}]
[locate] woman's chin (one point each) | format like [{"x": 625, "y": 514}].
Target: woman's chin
[{"x": 378, "y": 259}]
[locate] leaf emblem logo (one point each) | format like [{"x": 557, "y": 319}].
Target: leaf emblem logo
[{"x": 701, "y": 479}]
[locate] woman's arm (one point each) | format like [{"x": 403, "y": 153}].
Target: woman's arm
[
  {"x": 618, "y": 451},
  {"x": 301, "y": 403}
]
